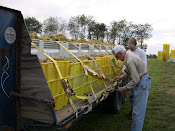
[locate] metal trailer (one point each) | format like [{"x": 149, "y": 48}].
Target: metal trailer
[{"x": 25, "y": 99}]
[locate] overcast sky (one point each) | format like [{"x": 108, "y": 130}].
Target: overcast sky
[{"x": 159, "y": 13}]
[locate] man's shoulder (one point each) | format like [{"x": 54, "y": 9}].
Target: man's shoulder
[
  {"x": 132, "y": 55},
  {"x": 140, "y": 50}
]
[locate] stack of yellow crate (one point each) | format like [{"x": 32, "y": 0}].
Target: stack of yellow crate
[
  {"x": 172, "y": 54},
  {"x": 54, "y": 81},
  {"x": 166, "y": 52},
  {"x": 160, "y": 55},
  {"x": 75, "y": 74}
]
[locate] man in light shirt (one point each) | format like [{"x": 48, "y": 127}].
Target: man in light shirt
[
  {"x": 132, "y": 45},
  {"x": 139, "y": 81}
]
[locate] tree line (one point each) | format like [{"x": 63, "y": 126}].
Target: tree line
[{"x": 85, "y": 27}]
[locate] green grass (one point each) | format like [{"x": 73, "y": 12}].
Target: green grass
[{"x": 160, "y": 115}]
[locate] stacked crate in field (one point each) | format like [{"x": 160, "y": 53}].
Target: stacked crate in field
[
  {"x": 166, "y": 52},
  {"x": 172, "y": 54},
  {"x": 160, "y": 55}
]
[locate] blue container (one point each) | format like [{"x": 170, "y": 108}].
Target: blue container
[{"x": 8, "y": 58}]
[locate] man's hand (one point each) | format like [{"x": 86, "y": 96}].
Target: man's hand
[
  {"x": 117, "y": 78},
  {"x": 120, "y": 89}
]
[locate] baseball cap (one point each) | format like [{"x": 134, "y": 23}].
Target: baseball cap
[{"x": 117, "y": 49}]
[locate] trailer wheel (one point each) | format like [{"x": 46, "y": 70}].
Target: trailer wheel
[
  {"x": 117, "y": 102},
  {"x": 113, "y": 102}
]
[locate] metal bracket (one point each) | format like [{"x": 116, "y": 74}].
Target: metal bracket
[
  {"x": 101, "y": 73},
  {"x": 87, "y": 68},
  {"x": 67, "y": 88}
]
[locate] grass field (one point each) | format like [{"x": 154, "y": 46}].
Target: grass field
[{"x": 160, "y": 115}]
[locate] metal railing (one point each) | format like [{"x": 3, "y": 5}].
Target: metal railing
[{"x": 54, "y": 50}]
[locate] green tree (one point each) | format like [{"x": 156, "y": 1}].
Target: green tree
[
  {"x": 91, "y": 26},
  {"x": 62, "y": 26},
  {"x": 112, "y": 32},
  {"x": 119, "y": 29},
  {"x": 122, "y": 30},
  {"x": 126, "y": 33},
  {"x": 107, "y": 34},
  {"x": 98, "y": 31},
  {"x": 50, "y": 26},
  {"x": 83, "y": 25},
  {"x": 78, "y": 26},
  {"x": 33, "y": 25},
  {"x": 142, "y": 32},
  {"x": 73, "y": 27}
]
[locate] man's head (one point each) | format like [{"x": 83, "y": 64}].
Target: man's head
[
  {"x": 132, "y": 44},
  {"x": 119, "y": 52}
]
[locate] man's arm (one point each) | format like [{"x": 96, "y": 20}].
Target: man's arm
[{"x": 134, "y": 76}]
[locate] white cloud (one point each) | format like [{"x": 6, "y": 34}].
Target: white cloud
[{"x": 159, "y": 13}]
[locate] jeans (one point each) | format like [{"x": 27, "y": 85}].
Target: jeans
[
  {"x": 131, "y": 98},
  {"x": 140, "y": 97}
]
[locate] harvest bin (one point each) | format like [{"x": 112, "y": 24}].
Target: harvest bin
[{"x": 32, "y": 94}]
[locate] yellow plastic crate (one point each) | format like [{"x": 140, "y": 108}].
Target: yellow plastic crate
[
  {"x": 64, "y": 68},
  {"x": 100, "y": 82},
  {"x": 80, "y": 91},
  {"x": 166, "y": 49},
  {"x": 75, "y": 74},
  {"x": 102, "y": 59},
  {"x": 60, "y": 101},
  {"x": 44, "y": 68},
  {"x": 55, "y": 86},
  {"x": 104, "y": 69},
  {"x": 93, "y": 65},
  {"x": 76, "y": 69},
  {"x": 172, "y": 53},
  {"x": 86, "y": 62},
  {"x": 98, "y": 62},
  {"x": 110, "y": 69},
  {"x": 51, "y": 71},
  {"x": 107, "y": 60},
  {"x": 160, "y": 55},
  {"x": 111, "y": 75},
  {"x": 77, "y": 81},
  {"x": 52, "y": 75},
  {"x": 95, "y": 83},
  {"x": 90, "y": 78}
]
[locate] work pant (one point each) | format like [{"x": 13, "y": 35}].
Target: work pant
[
  {"x": 131, "y": 98},
  {"x": 140, "y": 97}
]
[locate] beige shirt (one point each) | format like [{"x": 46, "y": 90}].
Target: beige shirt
[{"x": 135, "y": 68}]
